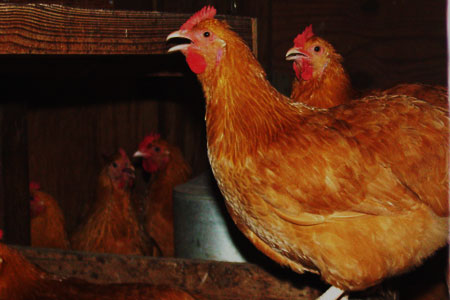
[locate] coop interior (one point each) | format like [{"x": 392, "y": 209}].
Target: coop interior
[{"x": 82, "y": 79}]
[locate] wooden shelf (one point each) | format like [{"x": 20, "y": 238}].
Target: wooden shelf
[{"x": 56, "y": 29}]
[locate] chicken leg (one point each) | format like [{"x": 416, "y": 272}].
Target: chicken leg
[{"x": 333, "y": 293}]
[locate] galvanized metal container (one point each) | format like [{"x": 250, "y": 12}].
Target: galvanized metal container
[{"x": 203, "y": 228}]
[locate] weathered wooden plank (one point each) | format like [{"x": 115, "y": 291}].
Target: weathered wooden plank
[
  {"x": 211, "y": 279},
  {"x": 109, "y": 4},
  {"x": 56, "y": 29},
  {"x": 14, "y": 174}
]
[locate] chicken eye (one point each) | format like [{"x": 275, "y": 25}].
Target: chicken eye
[
  {"x": 114, "y": 164},
  {"x": 157, "y": 149},
  {"x": 206, "y": 34},
  {"x": 317, "y": 48}
]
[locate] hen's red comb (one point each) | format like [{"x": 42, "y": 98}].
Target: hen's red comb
[
  {"x": 301, "y": 39},
  {"x": 34, "y": 186},
  {"x": 148, "y": 139},
  {"x": 1, "y": 234},
  {"x": 207, "y": 12}
]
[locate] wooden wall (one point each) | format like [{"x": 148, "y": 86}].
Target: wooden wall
[{"x": 73, "y": 120}]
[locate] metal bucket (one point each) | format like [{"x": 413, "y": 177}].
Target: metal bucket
[{"x": 203, "y": 229}]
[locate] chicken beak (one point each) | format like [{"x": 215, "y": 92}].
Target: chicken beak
[
  {"x": 178, "y": 34},
  {"x": 129, "y": 171},
  {"x": 139, "y": 154},
  {"x": 294, "y": 54}
]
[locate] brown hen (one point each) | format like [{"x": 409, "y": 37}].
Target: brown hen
[
  {"x": 48, "y": 229},
  {"x": 112, "y": 226},
  {"x": 355, "y": 193},
  {"x": 168, "y": 168},
  {"x": 321, "y": 80}
]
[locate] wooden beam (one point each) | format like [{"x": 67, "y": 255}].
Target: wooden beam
[
  {"x": 210, "y": 279},
  {"x": 108, "y": 4},
  {"x": 56, "y": 29},
  {"x": 213, "y": 280},
  {"x": 14, "y": 173}
]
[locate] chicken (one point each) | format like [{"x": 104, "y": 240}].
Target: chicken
[
  {"x": 321, "y": 80},
  {"x": 21, "y": 280},
  {"x": 112, "y": 226},
  {"x": 434, "y": 94},
  {"x": 355, "y": 193},
  {"x": 169, "y": 169},
  {"x": 48, "y": 227}
]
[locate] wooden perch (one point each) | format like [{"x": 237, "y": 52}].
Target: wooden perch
[
  {"x": 211, "y": 279},
  {"x": 56, "y": 29}
]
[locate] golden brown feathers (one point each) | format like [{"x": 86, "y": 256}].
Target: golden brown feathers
[
  {"x": 355, "y": 193},
  {"x": 112, "y": 226}
]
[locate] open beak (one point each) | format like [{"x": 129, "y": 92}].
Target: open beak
[
  {"x": 294, "y": 54},
  {"x": 180, "y": 35}
]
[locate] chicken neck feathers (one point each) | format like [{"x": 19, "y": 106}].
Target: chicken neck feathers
[{"x": 331, "y": 88}]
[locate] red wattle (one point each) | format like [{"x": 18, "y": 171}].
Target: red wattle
[
  {"x": 307, "y": 70},
  {"x": 196, "y": 62},
  {"x": 149, "y": 166}
]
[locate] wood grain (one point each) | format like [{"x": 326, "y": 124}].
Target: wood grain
[
  {"x": 211, "y": 279},
  {"x": 110, "y": 4},
  {"x": 56, "y": 29}
]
